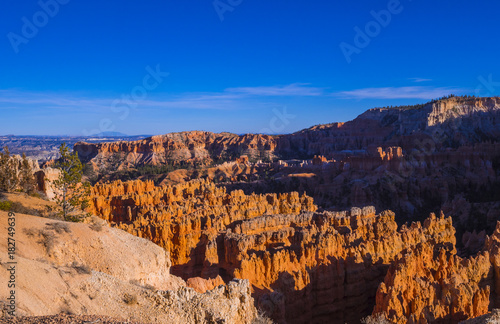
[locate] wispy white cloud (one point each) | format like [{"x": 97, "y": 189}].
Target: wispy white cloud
[
  {"x": 50, "y": 100},
  {"x": 85, "y": 103},
  {"x": 295, "y": 89},
  {"x": 413, "y": 92},
  {"x": 418, "y": 80},
  {"x": 230, "y": 98}
]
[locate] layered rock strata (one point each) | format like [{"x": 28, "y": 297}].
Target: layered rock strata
[{"x": 443, "y": 123}]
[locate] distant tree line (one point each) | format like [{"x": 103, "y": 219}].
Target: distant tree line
[{"x": 463, "y": 98}]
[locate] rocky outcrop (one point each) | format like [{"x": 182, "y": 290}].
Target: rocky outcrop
[
  {"x": 44, "y": 179},
  {"x": 194, "y": 147},
  {"x": 231, "y": 303},
  {"x": 323, "y": 267},
  {"x": 16, "y": 172},
  {"x": 304, "y": 266},
  {"x": 492, "y": 317},
  {"x": 202, "y": 285},
  {"x": 430, "y": 283},
  {"x": 462, "y": 182},
  {"x": 440, "y": 155},
  {"x": 185, "y": 219}
]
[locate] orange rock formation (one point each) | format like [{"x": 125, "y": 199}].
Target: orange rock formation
[
  {"x": 304, "y": 266},
  {"x": 185, "y": 219},
  {"x": 432, "y": 284}
]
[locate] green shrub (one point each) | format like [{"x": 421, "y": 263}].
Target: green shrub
[
  {"x": 5, "y": 205},
  {"x": 17, "y": 207},
  {"x": 35, "y": 194}
]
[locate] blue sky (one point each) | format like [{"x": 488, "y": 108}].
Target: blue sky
[{"x": 152, "y": 67}]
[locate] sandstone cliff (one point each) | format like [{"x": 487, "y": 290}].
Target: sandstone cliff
[{"x": 448, "y": 122}]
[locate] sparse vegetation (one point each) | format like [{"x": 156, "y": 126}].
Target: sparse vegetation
[
  {"x": 72, "y": 192},
  {"x": 51, "y": 212},
  {"x": 90, "y": 174},
  {"x": 3, "y": 308},
  {"x": 15, "y": 173},
  {"x": 138, "y": 284},
  {"x": 5, "y": 205},
  {"x": 130, "y": 299},
  {"x": 9, "y": 179},
  {"x": 375, "y": 319},
  {"x": 47, "y": 240},
  {"x": 30, "y": 232},
  {"x": 27, "y": 179},
  {"x": 261, "y": 318},
  {"x": 21, "y": 209},
  {"x": 66, "y": 310},
  {"x": 460, "y": 99},
  {"x": 58, "y": 227},
  {"x": 96, "y": 227},
  {"x": 150, "y": 172},
  {"x": 81, "y": 268},
  {"x": 16, "y": 207},
  {"x": 36, "y": 194},
  {"x": 97, "y": 224},
  {"x": 46, "y": 236}
]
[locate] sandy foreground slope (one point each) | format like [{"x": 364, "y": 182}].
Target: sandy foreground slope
[{"x": 93, "y": 269}]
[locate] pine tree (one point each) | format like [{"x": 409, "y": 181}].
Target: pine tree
[
  {"x": 72, "y": 193},
  {"x": 9, "y": 179}
]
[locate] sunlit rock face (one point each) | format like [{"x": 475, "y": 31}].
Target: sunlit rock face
[{"x": 304, "y": 266}]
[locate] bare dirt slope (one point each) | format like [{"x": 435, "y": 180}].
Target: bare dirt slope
[
  {"x": 64, "y": 318},
  {"x": 85, "y": 269}
]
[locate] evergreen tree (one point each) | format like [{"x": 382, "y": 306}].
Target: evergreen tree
[
  {"x": 9, "y": 179},
  {"x": 71, "y": 193}
]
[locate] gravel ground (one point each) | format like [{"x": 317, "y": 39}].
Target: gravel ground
[{"x": 61, "y": 318}]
